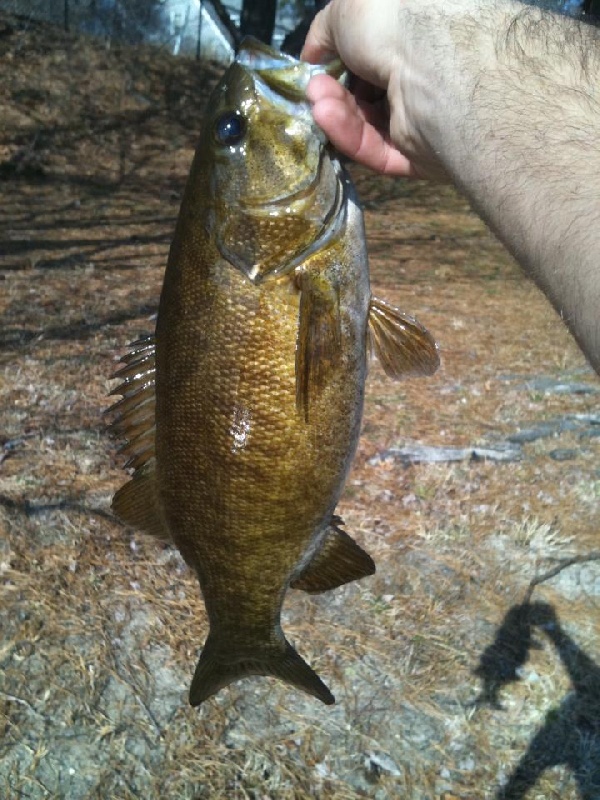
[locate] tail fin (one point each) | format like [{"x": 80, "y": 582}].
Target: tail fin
[{"x": 212, "y": 674}]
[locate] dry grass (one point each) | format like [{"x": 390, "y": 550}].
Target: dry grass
[{"x": 101, "y": 628}]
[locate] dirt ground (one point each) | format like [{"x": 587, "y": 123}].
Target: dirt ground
[{"x": 450, "y": 682}]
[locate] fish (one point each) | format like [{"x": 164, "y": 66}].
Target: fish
[{"x": 241, "y": 414}]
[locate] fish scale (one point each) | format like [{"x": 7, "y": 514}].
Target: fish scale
[{"x": 243, "y": 417}]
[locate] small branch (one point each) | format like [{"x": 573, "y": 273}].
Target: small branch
[
  {"x": 13, "y": 698},
  {"x": 564, "y": 564},
  {"x": 223, "y": 15}
]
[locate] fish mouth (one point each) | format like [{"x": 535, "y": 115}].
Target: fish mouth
[
  {"x": 281, "y": 72},
  {"x": 318, "y": 198}
]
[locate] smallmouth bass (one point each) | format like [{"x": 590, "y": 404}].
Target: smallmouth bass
[{"x": 242, "y": 414}]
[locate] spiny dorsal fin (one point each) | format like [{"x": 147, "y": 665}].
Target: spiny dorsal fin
[
  {"x": 136, "y": 503},
  {"x": 134, "y": 413},
  {"x": 319, "y": 336},
  {"x": 339, "y": 560},
  {"x": 402, "y": 345}
]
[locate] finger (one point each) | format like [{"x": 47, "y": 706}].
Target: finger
[
  {"x": 360, "y": 141},
  {"x": 323, "y": 87},
  {"x": 319, "y": 46},
  {"x": 357, "y": 138}
]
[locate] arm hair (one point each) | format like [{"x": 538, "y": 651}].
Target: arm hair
[{"x": 527, "y": 150}]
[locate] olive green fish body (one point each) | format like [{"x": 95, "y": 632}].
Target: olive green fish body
[
  {"x": 247, "y": 481},
  {"x": 242, "y": 417}
]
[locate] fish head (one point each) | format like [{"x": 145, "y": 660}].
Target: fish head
[{"x": 275, "y": 189}]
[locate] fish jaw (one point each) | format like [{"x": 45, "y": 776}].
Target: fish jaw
[{"x": 321, "y": 215}]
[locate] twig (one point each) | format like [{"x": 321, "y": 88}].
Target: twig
[
  {"x": 567, "y": 562},
  {"x": 22, "y": 702},
  {"x": 131, "y": 684}
]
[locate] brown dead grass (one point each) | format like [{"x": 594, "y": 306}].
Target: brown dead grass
[{"x": 101, "y": 628}]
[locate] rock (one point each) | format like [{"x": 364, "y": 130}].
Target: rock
[
  {"x": 563, "y": 454},
  {"x": 591, "y": 419},
  {"x": 526, "y": 435},
  {"x": 377, "y": 764},
  {"x": 428, "y": 454},
  {"x": 502, "y": 451},
  {"x": 590, "y": 433},
  {"x": 558, "y": 386},
  {"x": 567, "y": 424}
]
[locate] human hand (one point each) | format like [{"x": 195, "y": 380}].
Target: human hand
[
  {"x": 357, "y": 122},
  {"x": 382, "y": 120}
]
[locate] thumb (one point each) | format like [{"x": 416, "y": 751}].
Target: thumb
[{"x": 319, "y": 46}]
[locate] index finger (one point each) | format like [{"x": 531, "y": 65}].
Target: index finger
[
  {"x": 319, "y": 46},
  {"x": 353, "y": 128}
]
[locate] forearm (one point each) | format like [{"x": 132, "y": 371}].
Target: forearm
[{"x": 514, "y": 119}]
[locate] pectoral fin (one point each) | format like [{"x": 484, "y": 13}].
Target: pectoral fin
[
  {"x": 319, "y": 337},
  {"x": 402, "y": 345},
  {"x": 339, "y": 560}
]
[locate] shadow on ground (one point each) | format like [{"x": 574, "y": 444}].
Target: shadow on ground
[{"x": 570, "y": 735}]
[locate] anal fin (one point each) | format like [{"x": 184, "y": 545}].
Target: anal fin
[{"x": 339, "y": 560}]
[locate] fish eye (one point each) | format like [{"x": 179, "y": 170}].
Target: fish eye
[{"x": 230, "y": 128}]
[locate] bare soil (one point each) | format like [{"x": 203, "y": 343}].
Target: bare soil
[{"x": 451, "y": 681}]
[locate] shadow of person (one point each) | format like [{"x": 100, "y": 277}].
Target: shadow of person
[
  {"x": 501, "y": 662},
  {"x": 570, "y": 735}
]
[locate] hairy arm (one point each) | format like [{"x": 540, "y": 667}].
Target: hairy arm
[{"x": 504, "y": 100}]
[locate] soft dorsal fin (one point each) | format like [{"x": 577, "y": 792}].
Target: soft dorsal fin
[
  {"x": 402, "y": 345},
  {"x": 319, "y": 336},
  {"x": 136, "y": 503},
  {"x": 339, "y": 560}
]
